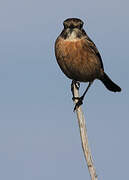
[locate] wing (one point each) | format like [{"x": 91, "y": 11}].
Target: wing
[{"x": 94, "y": 48}]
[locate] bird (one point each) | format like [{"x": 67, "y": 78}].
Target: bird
[{"x": 79, "y": 58}]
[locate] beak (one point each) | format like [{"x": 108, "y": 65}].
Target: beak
[{"x": 71, "y": 30}]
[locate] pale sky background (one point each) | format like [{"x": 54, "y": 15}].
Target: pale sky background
[{"x": 39, "y": 136}]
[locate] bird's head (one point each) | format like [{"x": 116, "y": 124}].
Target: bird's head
[
  {"x": 73, "y": 29},
  {"x": 72, "y": 23}
]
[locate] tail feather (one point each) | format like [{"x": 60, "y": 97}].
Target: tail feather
[{"x": 110, "y": 85}]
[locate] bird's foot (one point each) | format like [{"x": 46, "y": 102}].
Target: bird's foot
[
  {"x": 77, "y": 85},
  {"x": 79, "y": 103}
]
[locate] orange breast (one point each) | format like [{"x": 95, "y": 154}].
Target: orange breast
[{"x": 77, "y": 60}]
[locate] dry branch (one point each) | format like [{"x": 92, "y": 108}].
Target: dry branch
[{"x": 84, "y": 137}]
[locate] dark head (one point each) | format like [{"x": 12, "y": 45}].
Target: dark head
[
  {"x": 73, "y": 23},
  {"x": 73, "y": 29}
]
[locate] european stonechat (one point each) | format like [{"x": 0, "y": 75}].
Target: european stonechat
[{"x": 79, "y": 58}]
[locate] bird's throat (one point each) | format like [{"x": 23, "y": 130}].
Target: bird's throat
[{"x": 72, "y": 36}]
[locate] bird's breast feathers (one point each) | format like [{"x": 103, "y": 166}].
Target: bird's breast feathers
[{"x": 76, "y": 59}]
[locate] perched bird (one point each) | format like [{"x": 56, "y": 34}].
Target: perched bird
[{"x": 78, "y": 57}]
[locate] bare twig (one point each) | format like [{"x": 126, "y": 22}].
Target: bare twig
[{"x": 84, "y": 137}]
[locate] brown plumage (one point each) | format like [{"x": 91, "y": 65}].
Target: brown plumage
[
  {"x": 78, "y": 56},
  {"x": 77, "y": 60}
]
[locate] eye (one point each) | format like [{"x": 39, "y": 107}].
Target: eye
[
  {"x": 65, "y": 25},
  {"x": 81, "y": 25}
]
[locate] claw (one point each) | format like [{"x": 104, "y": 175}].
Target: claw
[
  {"x": 74, "y": 98},
  {"x": 79, "y": 103},
  {"x": 77, "y": 84}
]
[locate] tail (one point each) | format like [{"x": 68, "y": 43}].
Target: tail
[{"x": 110, "y": 85}]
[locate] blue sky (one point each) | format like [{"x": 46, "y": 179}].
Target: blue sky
[{"x": 39, "y": 136}]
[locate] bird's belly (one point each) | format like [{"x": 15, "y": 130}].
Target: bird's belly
[{"x": 76, "y": 62}]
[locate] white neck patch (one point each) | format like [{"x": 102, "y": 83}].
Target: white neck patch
[{"x": 72, "y": 36}]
